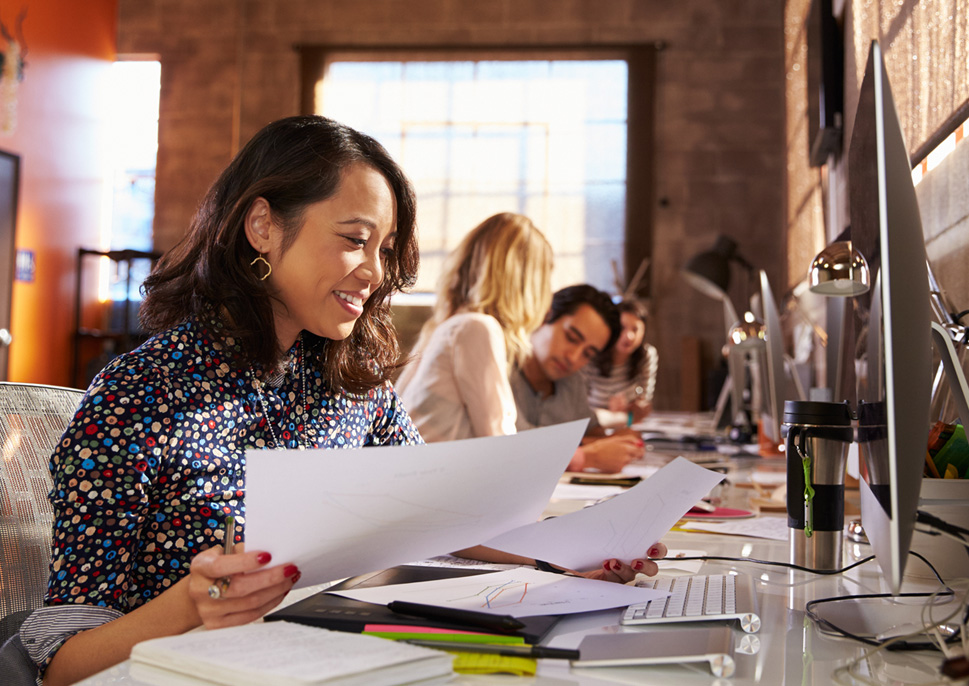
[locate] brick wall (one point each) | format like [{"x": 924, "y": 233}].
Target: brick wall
[
  {"x": 924, "y": 52},
  {"x": 229, "y": 67}
]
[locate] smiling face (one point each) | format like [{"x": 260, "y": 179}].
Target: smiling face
[
  {"x": 322, "y": 280},
  {"x": 563, "y": 347},
  {"x": 633, "y": 332}
]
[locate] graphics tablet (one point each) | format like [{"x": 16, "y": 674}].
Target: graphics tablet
[{"x": 344, "y": 614}]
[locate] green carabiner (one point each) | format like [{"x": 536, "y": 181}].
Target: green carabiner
[{"x": 808, "y": 490}]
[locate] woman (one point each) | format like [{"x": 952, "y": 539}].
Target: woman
[
  {"x": 271, "y": 329},
  {"x": 624, "y": 380},
  {"x": 494, "y": 292}
]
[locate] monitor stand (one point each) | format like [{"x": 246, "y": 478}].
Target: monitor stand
[
  {"x": 953, "y": 369},
  {"x": 885, "y": 618}
]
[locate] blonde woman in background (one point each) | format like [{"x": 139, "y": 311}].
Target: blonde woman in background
[{"x": 495, "y": 291}]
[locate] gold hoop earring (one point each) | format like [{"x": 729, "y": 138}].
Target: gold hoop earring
[{"x": 269, "y": 267}]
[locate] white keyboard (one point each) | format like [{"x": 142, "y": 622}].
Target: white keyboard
[{"x": 698, "y": 598}]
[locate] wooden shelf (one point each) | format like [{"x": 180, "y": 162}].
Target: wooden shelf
[{"x": 124, "y": 337}]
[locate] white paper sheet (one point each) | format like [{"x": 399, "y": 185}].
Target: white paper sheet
[
  {"x": 672, "y": 565},
  {"x": 773, "y": 528},
  {"x": 584, "y": 492},
  {"x": 338, "y": 513},
  {"x": 521, "y": 592},
  {"x": 622, "y": 527}
]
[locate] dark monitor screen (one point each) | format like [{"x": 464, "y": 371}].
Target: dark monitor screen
[{"x": 893, "y": 356}]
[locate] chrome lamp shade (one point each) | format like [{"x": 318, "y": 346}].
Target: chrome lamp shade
[{"x": 839, "y": 270}]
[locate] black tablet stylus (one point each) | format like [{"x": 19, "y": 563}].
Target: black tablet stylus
[
  {"x": 508, "y": 650},
  {"x": 450, "y": 614}
]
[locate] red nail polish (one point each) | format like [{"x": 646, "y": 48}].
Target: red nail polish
[
  {"x": 297, "y": 577},
  {"x": 637, "y": 565},
  {"x": 616, "y": 566},
  {"x": 607, "y": 565},
  {"x": 653, "y": 552},
  {"x": 263, "y": 558},
  {"x": 290, "y": 570}
]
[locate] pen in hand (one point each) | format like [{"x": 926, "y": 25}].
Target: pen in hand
[
  {"x": 230, "y": 535},
  {"x": 220, "y": 586},
  {"x": 456, "y": 615}
]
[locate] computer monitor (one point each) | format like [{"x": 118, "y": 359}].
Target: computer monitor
[
  {"x": 893, "y": 359},
  {"x": 777, "y": 386}
]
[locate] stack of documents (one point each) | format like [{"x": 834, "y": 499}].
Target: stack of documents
[{"x": 282, "y": 653}]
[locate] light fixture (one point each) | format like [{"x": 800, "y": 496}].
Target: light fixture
[
  {"x": 839, "y": 270},
  {"x": 748, "y": 333}
]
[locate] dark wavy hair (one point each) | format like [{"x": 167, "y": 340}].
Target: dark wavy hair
[
  {"x": 569, "y": 299},
  {"x": 637, "y": 360},
  {"x": 291, "y": 163}
]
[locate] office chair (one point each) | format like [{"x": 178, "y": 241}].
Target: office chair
[{"x": 32, "y": 419}]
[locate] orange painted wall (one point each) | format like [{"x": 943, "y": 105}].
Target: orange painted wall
[{"x": 59, "y": 137}]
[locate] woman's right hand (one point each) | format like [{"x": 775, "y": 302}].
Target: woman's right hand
[
  {"x": 247, "y": 588},
  {"x": 618, "y": 403},
  {"x": 611, "y": 453}
]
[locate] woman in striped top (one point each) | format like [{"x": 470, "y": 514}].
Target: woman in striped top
[{"x": 624, "y": 379}]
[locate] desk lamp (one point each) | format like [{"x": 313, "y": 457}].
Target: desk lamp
[
  {"x": 820, "y": 433},
  {"x": 747, "y": 333},
  {"x": 709, "y": 273},
  {"x": 839, "y": 270}
]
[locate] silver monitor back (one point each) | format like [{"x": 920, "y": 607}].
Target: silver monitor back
[{"x": 893, "y": 352}]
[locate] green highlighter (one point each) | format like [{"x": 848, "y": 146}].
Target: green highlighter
[{"x": 420, "y": 633}]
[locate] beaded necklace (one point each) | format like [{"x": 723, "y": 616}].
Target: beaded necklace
[{"x": 301, "y": 438}]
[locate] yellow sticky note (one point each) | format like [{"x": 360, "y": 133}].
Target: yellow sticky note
[{"x": 488, "y": 663}]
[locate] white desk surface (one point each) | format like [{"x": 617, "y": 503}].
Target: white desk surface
[{"x": 792, "y": 649}]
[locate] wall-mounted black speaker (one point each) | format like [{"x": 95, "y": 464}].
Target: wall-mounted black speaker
[{"x": 825, "y": 83}]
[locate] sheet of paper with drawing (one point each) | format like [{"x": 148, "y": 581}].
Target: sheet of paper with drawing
[
  {"x": 338, "y": 513},
  {"x": 622, "y": 527},
  {"x": 521, "y": 592}
]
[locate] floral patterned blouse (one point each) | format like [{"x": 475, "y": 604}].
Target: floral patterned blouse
[{"x": 154, "y": 461}]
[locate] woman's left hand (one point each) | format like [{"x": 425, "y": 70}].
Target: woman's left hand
[{"x": 621, "y": 572}]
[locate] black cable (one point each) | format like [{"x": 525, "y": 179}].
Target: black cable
[
  {"x": 896, "y": 645},
  {"x": 940, "y": 524},
  {"x": 809, "y": 608},
  {"x": 789, "y": 565}
]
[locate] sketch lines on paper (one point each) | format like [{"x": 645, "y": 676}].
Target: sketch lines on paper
[{"x": 511, "y": 592}]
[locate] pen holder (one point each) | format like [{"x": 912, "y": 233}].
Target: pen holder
[{"x": 818, "y": 437}]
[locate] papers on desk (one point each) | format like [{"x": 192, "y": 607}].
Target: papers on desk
[
  {"x": 338, "y": 513},
  {"x": 623, "y": 527},
  {"x": 773, "y": 528},
  {"x": 585, "y": 492},
  {"x": 522, "y": 592},
  {"x": 672, "y": 565},
  {"x": 282, "y": 653}
]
